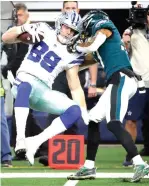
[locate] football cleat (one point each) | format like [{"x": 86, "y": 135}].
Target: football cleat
[
  {"x": 20, "y": 148},
  {"x": 140, "y": 172},
  {"x": 83, "y": 173}
]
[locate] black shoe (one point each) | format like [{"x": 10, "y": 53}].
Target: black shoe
[
  {"x": 43, "y": 160},
  {"x": 128, "y": 161},
  {"x": 21, "y": 154},
  {"x": 16, "y": 158},
  {"x": 144, "y": 152},
  {"x": 6, "y": 163}
]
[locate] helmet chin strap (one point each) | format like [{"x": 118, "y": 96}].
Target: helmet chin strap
[{"x": 63, "y": 40}]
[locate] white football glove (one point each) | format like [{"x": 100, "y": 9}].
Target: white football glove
[
  {"x": 85, "y": 115},
  {"x": 34, "y": 30}
]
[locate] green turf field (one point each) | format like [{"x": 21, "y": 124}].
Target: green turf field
[
  {"x": 109, "y": 160},
  {"x": 61, "y": 182}
]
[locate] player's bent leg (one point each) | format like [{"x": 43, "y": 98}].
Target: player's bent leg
[
  {"x": 117, "y": 107},
  {"x": 141, "y": 168},
  {"x": 59, "y": 125},
  {"x": 21, "y": 107},
  {"x": 88, "y": 171},
  {"x": 43, "y": 99},
  {"x": 123, "y": 136}
]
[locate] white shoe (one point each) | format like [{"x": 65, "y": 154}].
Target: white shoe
[{"x": 31, "y": 148}]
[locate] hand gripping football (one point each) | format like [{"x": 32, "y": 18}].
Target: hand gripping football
[{"x": 27, "y": 38}]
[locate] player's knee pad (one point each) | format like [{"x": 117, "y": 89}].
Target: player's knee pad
[
  {"x": 23, "y": 93},
  {"x": 71, "y": 115}
]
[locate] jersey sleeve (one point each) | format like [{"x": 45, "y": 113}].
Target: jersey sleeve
[
  {"x": 102, "y": 24},
  {"x": 78, "y": 61}
]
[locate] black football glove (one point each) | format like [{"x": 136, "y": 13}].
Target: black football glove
[{"x": 71, "y": 48}]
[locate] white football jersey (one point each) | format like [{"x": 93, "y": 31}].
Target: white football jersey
[{"x": 46, "y": 59}]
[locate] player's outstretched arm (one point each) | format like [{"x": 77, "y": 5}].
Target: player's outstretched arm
[
  {"x": 77, "y": 91},
  {"x": 11, "y": 35},
  {"x": 95, "y": 42}
]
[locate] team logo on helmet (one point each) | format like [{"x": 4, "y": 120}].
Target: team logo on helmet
[{"x": 70, "y": 19}]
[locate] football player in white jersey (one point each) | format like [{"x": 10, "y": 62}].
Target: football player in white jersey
[{"x": 33, "y": 85}]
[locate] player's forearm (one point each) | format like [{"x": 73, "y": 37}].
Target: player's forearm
[
  {"x": 93, "y": 73},
  {"x": 10, "y": 36},
  {"x": 79, "y": 97},
  {"x": 75, "y": 86},
  {"x": 93, "y": 46}
]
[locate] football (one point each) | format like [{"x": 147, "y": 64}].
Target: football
[{"x": 27, "y": 38}]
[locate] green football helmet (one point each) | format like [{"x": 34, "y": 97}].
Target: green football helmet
[{"x": 90, "y": 19}]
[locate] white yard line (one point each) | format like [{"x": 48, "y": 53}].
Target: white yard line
[
  {"x": 63, "y": 175},
  {"x": 71, "y": 183}
]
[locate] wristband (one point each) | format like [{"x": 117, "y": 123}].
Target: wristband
[
  {"x": 20, "y": 30},
  {"x": 93, "y": 85}
]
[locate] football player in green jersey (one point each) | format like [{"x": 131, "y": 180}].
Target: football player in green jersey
[{"x": 104, "y": 42}]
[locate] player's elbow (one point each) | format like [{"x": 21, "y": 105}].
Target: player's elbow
[
  {"x": 4, "y": 38},
  {"x": 7, "y": 39}
]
